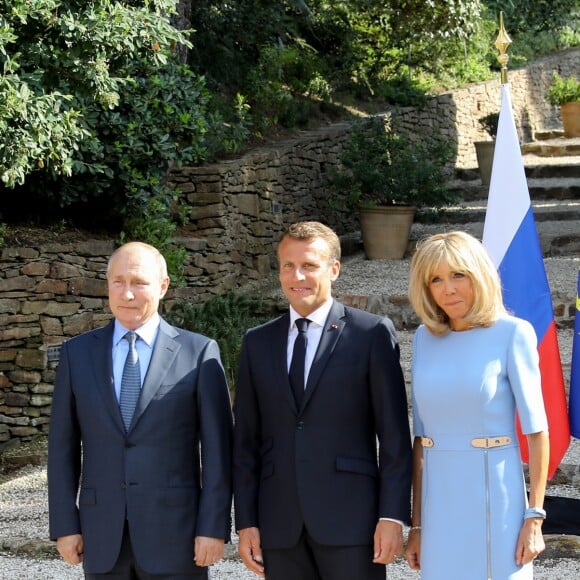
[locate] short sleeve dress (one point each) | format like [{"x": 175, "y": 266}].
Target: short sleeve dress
[{"x": 468, "y": 385}]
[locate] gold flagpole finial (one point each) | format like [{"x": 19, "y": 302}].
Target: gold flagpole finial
[{"x": 502, "y": 44}]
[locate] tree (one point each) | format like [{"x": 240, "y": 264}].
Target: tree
[{"x": 94, "y": 105}]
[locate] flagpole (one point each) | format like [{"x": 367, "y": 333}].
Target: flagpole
[{"x": 511, "y": 239}]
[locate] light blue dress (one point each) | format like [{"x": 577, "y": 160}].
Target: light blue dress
[{"x": 467, "y": 385}]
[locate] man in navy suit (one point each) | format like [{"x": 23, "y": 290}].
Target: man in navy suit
[
  {"x": 315, "y": 498},
  {"x": 152, "y": 476}
]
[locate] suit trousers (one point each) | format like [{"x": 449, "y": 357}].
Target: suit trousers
[
  {"x": 126, "y": 568},
  {"x": 309, "y": 560}
]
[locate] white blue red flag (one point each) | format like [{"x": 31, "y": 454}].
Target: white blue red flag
[
  {"x": 511, "y": 238},
  {"x": 574, "y": 407}
]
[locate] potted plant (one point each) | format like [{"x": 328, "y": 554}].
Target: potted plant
[
  {"x": 388, "y": 173},
  {"x": 484, "y": 149},
  {"x": 565, "y": 93}
]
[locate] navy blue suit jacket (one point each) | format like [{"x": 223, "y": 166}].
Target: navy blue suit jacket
[
  {"x": 319, "y": 465},
  {"x": 150, "y": 476}
]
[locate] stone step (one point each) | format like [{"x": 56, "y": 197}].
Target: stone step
[
  {"x": 557, "y": 222},
  {"x": 539, "y": 188},
  {"x": 535, "y": 167},
  {"x": 474, "y": 211},
  {"x": 553, "y": 147},
  {"x": 549, "y": 157}
]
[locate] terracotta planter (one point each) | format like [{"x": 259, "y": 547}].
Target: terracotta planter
[
  {"x": 484, "y": 151},
  {"x": 385, "y": 231},
  {"x": 570, "y": 113}
]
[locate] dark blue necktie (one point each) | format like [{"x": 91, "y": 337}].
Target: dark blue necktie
[
  {"x": 298, "y": 356},
  {"x": 130, "y": 382}
]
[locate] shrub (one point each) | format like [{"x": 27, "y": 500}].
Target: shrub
[
  {"x": 489, "y": 124},
  {"x": 384, "y": 166},
  {"x": 563, "y": 91},
  {"x": 225, "y": 319}
]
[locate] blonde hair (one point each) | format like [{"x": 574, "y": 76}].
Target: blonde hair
[
  {"x": 465, "y": 254},
  {"x": 308, "y": 231}
]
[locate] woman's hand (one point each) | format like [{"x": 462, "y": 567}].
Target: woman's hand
[
  {"x": 413, "y": 549},
  {"x": 530, "y": 541}
]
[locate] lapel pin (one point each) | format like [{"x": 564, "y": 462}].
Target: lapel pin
[{"x": 333, "y": 326}]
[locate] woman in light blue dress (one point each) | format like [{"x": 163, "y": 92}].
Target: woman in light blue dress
[{"x": 474, "y": 366}]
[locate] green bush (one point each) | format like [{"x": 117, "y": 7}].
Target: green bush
[
  {"x": 489, "y": 124},
  {"x": 563, "y": 91},
  {"x": 225, "y": 319},
  {"x": 95, "y": 111},
  {"x": 385, "y": 166}
]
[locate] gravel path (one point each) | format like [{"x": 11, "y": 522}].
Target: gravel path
[{"x": 24, "y": 521}]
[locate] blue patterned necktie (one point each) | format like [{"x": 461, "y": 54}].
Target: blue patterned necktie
[
  {"x": 297, "y": 369},
  {"x": 130, "y": 382}
]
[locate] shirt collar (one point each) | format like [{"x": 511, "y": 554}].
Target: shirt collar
[
  {"x": 147, "y": 332},
  {"x": 318, "y": 317}
]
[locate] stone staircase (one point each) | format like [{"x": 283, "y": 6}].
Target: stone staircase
[{"x": 552, "y": 165}]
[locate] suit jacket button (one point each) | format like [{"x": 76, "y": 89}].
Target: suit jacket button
[
  {"x": 123, "y": 485},
  {"x": 300, "y": 425}
]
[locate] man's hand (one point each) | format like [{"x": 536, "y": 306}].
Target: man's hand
[
  {"x": 207, "y": 551},
  {"x": 250, "y": 550},
  {"x": 388, "y": 542},
  {"x": 71, "y": 548}
]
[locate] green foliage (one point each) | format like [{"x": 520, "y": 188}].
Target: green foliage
[
  {"x": 225, "y": 319},
  {"x": 536, "y": 27},
  {"x": 95, "y": 111},
  {"x": 489, "y": 124},
  {"x": 385, "y": 166},
  {"x": 533, "y": 15},
  {"x": 156, "y": 227},
  {"x": 563, "y": 91}
]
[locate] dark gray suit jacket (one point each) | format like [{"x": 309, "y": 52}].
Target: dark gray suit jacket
[
  {"x": 317, "y": 466},
  {"x": 152, "y": 475}
]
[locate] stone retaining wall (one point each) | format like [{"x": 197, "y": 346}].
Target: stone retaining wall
[{"x": 239, "y": 208}]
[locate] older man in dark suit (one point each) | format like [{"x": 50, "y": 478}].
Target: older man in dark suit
[
  {"x": 317, "y": 388},
  {"x": 141, "y": 432}
]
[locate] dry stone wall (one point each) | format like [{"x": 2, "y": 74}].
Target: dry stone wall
[
  {"x": 239, "y": 208},
  {"x": 47, "y": 294}
]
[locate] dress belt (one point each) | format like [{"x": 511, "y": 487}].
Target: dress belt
[{"x": 455, "y": 442}]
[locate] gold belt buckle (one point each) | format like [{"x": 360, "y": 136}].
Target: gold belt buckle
[
  {"x": 490, "y": 442},
  {"x": 427, "y": 442}
]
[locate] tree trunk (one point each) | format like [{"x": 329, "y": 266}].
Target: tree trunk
[{"x": 182, "y": 21}]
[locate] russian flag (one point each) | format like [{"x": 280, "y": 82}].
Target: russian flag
[
  {"x": 511, "y": 238},
  {"x": 575, "y": 371}
]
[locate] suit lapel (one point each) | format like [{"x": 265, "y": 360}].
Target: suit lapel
[
  {"x": 162, "y": 358},
  {"x": 279, "y": 346},
  {"x": 330, "y": 334},
  {"x": 102, "y": 362}
]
